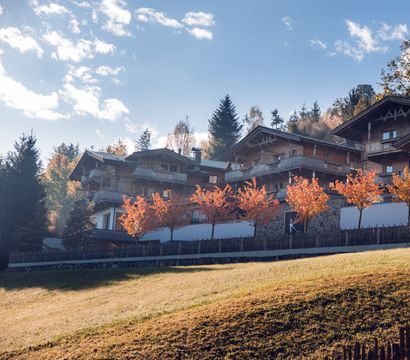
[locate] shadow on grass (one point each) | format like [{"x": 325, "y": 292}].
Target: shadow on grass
[{"x": 83, "y": 279}]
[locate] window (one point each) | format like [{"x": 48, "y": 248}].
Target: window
[
  {"x": 164, "y": 166},
  {"x": 213, "y": 179},
  {"x": 277, "y": 157},
  {"x": 388, "y": 135},
  {"x": 293, "y": 152},
  {"x": 389, "y": 169},
  {"x": 107, "y": 221},
  {"x": 166, "y": 194},
  {"x": 173, "y": 168}
]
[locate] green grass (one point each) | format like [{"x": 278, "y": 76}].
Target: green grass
[{"x": 286, "y": 309}]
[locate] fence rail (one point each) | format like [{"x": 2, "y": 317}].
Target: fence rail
[
  {"x": 368, "y": 236},
  {"x": 399, "y": 350}
]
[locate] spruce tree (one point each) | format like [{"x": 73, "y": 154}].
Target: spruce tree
[
  {"x": 276, "y": 120},
  {"x": 26, "y": 216},
  {"x": 292, "y": 124},
  {"x": 315, "y": 112},
  {"x": 144, "y": 142},
  {"x": 79, "y": 226},
  {"x": 224, "y": 128}
]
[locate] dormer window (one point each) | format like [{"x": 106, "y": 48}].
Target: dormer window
[
  {"x": 389, "y": 135},
  {"x": 213, "y": 179}
]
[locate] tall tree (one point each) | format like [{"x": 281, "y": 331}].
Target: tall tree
[
  {"x": 77, "y": 231},
  {"x": 257, "y": 205},
  {"x": 401, "y": 189},
  {"x": 307, "y": 199},
  {"x": 396, "y": 79},
  {"x": 216, "y": 204},
  {"x": 224, "y": 128},
  {"x": 303, "y": 113},
  {"x": 360, "y": 190},
  {"x": 24, "y": 197},
  {"x": 139, "y": 218},
  {"x": 4, "y": 252},
  {"x": 254, "y": 119},
  {"x": 292, "y": 124},
  {"x": 60, "y": 191},
  {"x": 182, "y": 138},
  {"x": 171, "y": 213},
  {"x": 144, "y": 141},
  {"x": 315, "y": 112},
  {"x": 117, "y": 148},
  {"x": 277, "y": 121}
]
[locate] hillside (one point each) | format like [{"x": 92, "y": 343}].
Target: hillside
[{"x": 282, "y": 309}]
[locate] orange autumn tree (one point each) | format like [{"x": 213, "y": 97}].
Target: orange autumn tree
[
  {"x": 307, "y": 198},
  {"x": 216, "y": 204},
  {"x": 172, "y": 212},
  {"x": 139, "y": 217},
  {"x": 360, "y": 190},
  {"x": 401, "y": 189},
  {"x": 259, "y": 207}
]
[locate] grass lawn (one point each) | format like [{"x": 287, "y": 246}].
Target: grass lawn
[{"x": 283, "y": 310}]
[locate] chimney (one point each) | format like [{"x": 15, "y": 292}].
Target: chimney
[
  {"x": 198, "y": 154},
  {"x": 179, "y": 151}
]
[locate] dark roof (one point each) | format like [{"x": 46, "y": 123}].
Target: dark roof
[
  {"x": 159, "y": 152},
  {"x": 342, "y": 130},
  {"x": 285, "y": 135}
]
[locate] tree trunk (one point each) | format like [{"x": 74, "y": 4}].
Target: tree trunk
[
  {"x": 360, "y": 218},
  {"x": 213, "y": 231},
  {"x": 172, "y": 233}
]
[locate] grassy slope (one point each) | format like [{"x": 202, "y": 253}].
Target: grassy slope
[{"x": 280, "y": 309}]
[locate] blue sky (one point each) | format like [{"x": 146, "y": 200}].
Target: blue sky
[{"x": 89, "y": 72}]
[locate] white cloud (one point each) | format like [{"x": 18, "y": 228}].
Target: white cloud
[
  {"x": 200, "y": 34},
  {"x": 346, "y": 48},
  {"x": 392, "y": 32},
  {"x": 82, "y": 73},
  {"x": 100, "y": 134},
  {"x": 288, "y": 22},
  {"x": 74, "y": 25},
  {"x": 152, "y": 16},
  {"x": 1, "y": 9},
  {"x": 108, "y": 70},
  {"x": 198, "y": 19},
  {"x": 318, "y": 44},
  {"x": 13, "y": 37},
  {"x": 48, "y": 9},
  {"x": 117, "y": 17},
  {"x": 15, "y": 95},
  {"x": 67, "y": 50},
  {"x": 86, "y": 101},
  {"x": 81, "y": 4}
]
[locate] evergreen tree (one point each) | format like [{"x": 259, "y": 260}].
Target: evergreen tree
[
  {"x": 292, "y": 124},
  {"x": 79, "y": 226},
  {"x": 254, "y": 119},
  {"x": 4, "y": 253},
  {"x": 224, "y": 128},
  {"x": 26, "y": 216},
  {"x": 61, "y": 192},
  {"x": 276, "y": 120},
  {"x": 144, "y": 141},
  {"x": 315, "y": 112},
  {"x": 303, "y": 113}
]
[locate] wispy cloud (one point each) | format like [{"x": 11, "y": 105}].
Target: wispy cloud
[
  {"x": 198, "y": 19},
  {"x": 318, "y": 44},
  {"x": 48, "y": 9},
  {"x": 392, "y": 32},
  {"x": 118, "y": 17},
  {"x": 288, "y": 22},
  {"x": 200, "y": 34},
  {"x": 14, "y": 37},
  {"x": 108, "y": 70},
  {"x": 148, "y": 15}
]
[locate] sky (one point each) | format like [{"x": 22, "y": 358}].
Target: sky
[{"x": 89, "y": 72}]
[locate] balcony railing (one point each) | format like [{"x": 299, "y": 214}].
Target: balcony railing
[
  {"x": 93, "y": 175},
  {"x": 296, "y": 162},
  {"x": 161, "y": 176},
  {"x": 377, "y": 147},
  {"x": 108, "y": 196}
]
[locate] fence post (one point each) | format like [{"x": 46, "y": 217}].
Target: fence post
[
  {"x": 199, "y": 246},
  {"x": 290, "y": 241},
  {"x": 347, "y": 238},
  {"x": 264, "y": 243},
  {"x": 143, "y": 250},
  {"x": 219, "y": 245},
  {"x": 317, "y": 240},
  {"x": 378, "y": 236},
  {"x": 179, "y": 248},
  {"x": 161, "y": 249},
  {"x": 241, "y": 244}
]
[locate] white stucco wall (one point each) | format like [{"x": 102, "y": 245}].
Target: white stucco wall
[{"x": 382, "y": 214}]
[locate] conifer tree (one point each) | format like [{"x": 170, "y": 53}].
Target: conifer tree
[
  {"x": 292, "y": 124},
  {"x": 276, "y": 120},
  {"x": 26, "y": 216},
  {"x": 224, "y": 128},
  {"x": 315, "y": 112},
  {"x": 4, "y": 253},
  {"x": 144, "y": 141}
]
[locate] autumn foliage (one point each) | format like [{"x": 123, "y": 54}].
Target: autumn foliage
[
  {"x": 360, "y": 190},
  {"x": 307, "y": 199},
  {"x": 217, "y": 204},
  {"x": 401, "y": 189},
  {"x": 139, "y": 218},
  {"x": 258, "y": 206},
  {"x": 172, "y": 212}
]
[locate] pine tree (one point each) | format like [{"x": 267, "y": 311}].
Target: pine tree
[
  {"x": 315, "y": 112},
  {"x": 26, "y": 215},
  {"x": 79, "y": 226},
  {"x": 292, "y": 124},
  {"x": 61, "y": 192},
  {"x": 224, "y": 128},
  {"x": 303, "y": 113},
  {"x": 276, "y": 120},
  {"x": 144, "y": 141}
]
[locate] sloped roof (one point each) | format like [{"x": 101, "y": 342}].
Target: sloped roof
[{"x": 159, "y": 152}]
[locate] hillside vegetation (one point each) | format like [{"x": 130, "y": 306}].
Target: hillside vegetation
[{"x": 288, "y": 309}]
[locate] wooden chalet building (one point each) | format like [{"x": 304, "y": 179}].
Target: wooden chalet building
[
  {"x": 106, "y": 178},
  {"x": 383, "y": 129},
  {"x": 274, "y": 157}
]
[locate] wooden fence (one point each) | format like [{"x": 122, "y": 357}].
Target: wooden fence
[
  {"x": 399, "y": 350},
  {"x": 369, "y": 236}
]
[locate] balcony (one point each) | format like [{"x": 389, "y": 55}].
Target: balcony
[
  {"x": 287, "y": 164},
  {"x": 376, "y": 148},
  {"x": 108, "y": 196},
  {"x": 93, "y": 175},
  {"x": 160, "y": 176}
]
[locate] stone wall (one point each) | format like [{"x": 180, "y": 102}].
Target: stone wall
[{"x": 325, "y": 222}]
